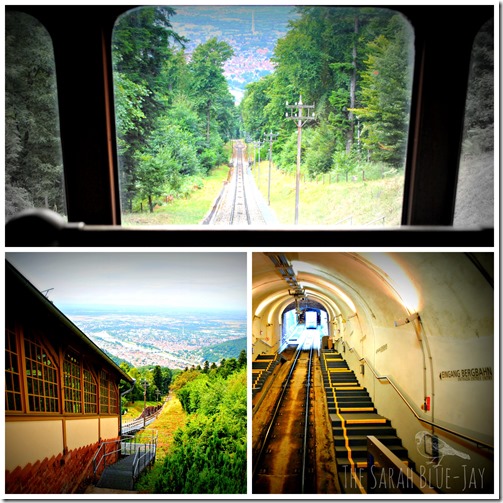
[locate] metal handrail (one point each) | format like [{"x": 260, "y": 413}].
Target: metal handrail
[
  {"x": 350, "y": 218},
  {"x": 149, "y": 450},
  {"x": 140, "y": 422},
  {"x": 418, "y": 417},
  {"x": 376, "y": 220},
  {"x": 96, "y": 465}
]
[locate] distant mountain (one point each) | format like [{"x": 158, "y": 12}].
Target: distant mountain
[
  {"x": 252, "y": 31},
  {"x": 116, "y": 359},
  {"x": 227, "y": 349},
  {"x": 169, "y": 339}
]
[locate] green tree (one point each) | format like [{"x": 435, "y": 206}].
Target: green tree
[
  {"x": 141, "y": 49},
  {"x": 385, "y": 96},
  {"x": 33, "y": 163},
  {"x": 209, "y": 85},
  {"x": 242, "y": 359},
  {"x": 157, "y": 375},
  {"x": 208, "y": 456}
]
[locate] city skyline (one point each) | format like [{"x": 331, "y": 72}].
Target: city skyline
[{"x": 114, "y": 280}]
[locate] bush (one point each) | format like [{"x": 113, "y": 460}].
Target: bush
[{"x": 208, "y": 456}]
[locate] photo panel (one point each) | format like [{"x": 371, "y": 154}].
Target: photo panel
[{"x": 373, "y": 373}]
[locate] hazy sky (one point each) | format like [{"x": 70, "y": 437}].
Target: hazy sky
[{"x": 159, "y": 279}]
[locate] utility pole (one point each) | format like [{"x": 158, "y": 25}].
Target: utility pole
[
  {"x": 145, "y": 384},
  {"x": 271, "y": 137},
  {"x": 258, "y": 144},
  {"x": 301, "y": 120}
]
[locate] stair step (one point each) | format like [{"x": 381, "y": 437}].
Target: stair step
[
  {"x": 359, "y": 452},
  {"x": 118, "y": 475},
  {"x": 340, "y": 440}
]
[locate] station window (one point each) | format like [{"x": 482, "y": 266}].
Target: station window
[
  {"x": 13, "y": 400},
  {"x": 41, "y": 378},
  {"x": 108, "y": 395},
  {"x": 475, "y": 189},
  {"x": 90, "y": 393},
  {"x": 72, "y": 384},
  {"x": 192, "y": 82},
  {"x": 33, "y": 159}
]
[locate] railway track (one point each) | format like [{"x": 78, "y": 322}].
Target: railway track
[
  {"x": 239, "y": 213},
  {"x": 237, "y": 204},
  {"x": 283, "y": 461}
]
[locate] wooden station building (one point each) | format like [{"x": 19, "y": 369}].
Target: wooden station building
[{"x": 62, "y": 395}]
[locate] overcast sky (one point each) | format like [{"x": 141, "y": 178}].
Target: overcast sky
[{"x": 159, "y": 279}]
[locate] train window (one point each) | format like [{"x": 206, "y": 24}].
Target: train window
[
  {"x": 259, "y": 115},
  {"x": 475, "y": 189},
  {"x": 33, "y": 160}
]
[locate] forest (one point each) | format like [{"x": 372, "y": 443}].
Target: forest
[{"x": 175, "y": 115}]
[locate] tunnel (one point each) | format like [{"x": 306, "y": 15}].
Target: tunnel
[{"x": 416, "y": 329}]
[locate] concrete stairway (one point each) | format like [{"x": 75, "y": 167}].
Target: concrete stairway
[
  {"x": 353, "y": 418},
  {"x": 262, "y": 367}
]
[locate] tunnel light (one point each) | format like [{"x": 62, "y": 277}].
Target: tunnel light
[
  {"x": 397, "y": 277},
  {"x": 407, "y": 319}
]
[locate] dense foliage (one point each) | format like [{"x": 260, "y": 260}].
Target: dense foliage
[
  {"x": 33, "y": 165},
  {"x": 152, "y": 383},
  {"x": 208, "y": 455},
  {"x": 173, "y": 115},
  {"x": 355, "y": 65}
]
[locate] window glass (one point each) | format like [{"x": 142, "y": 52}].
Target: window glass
[
  {"x": 33, "y": 162},
  {"x": 89, "y": 393},
  {"x": 208, "y": 109},
  {"x": 72, "y": 384},
  {"x": 104, "y": 389},
  {"x": 475, "y": 189},
  {"x": 41, "y": 378},
  {"x": 13, "y": 400},
  {"x": 109, "y": 403}
]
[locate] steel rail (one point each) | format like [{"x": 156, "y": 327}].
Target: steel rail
[
  {"x": 279, "y": 402},
  {"x": 239, "y": 190},
  {"x": 306, "y": 420}
]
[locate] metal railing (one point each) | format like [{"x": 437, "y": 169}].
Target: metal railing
[
  {"x": 478, "y": 443},
  {"x": 145, "y": 453},
  {"x": 102, "y": 454},
  {"x": 140, "y": 423}
]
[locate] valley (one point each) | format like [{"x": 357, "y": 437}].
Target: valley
[{"x": 168, "y": 339}]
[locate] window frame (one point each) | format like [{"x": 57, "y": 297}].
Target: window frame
[{"x": 433, "y": 152}]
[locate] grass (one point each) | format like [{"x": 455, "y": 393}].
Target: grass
[
  {"x": 183, "y": 211},
  {"x": 323, "y": 202},
  {"x": 170, "y": 419}
]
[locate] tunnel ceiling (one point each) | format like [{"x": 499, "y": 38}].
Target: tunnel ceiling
[
  {"x": 380, "y": 287},
  {"x": 342, "y": 282}
]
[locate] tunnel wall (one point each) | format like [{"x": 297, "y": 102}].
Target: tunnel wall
[{"x": 446, "y": 357}]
